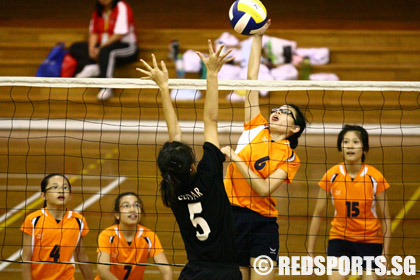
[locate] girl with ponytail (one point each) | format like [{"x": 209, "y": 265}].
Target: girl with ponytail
[{"x": 195, "y": 192}]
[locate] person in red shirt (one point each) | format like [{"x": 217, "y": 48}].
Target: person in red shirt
[
  {"x": 54, "y": 234},
  {"x": 355, "y": 189},
  {"x": 112, "y": 42},
  {"x": 129, "y": 242},
  {"x": 263, "y": 160}
]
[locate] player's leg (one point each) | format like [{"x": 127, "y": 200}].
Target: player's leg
[
  {"x": 242, "y": 229},
  {"x": 264, "y": 246},
  {"x": 337, "y": 248}
]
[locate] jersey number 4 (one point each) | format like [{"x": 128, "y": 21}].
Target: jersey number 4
[
  {"x": 55, "y": 253},
  {"x": 352, "y": 209},
  {"x": 195, "y": 209}
]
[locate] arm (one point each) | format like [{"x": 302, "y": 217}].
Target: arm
[
  {"x": 382, "y": 201},
  {"x": 161, "y": 79},
  {"x": 93, "y": 50},
  {"x": 165, "y": 270},
  {"x": 321, "y": 204},
  {"x": 251, "y": 104},
  {"x": 104, "y": 271},
  {"x": 82, "y": 257},
  {"x": 264, "y": 187},
  {"x": 213, "y": 65},
  {"x": 27, "y": 256}
]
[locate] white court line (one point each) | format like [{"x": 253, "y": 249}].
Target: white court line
[
  {"x": 79, "y": 208},
  {"x": 19, "y": 206}
]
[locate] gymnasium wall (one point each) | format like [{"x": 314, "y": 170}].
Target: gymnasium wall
[{"x": 291, "y": 14}]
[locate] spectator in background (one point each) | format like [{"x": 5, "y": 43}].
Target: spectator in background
[{"x": 112, "y": 41}]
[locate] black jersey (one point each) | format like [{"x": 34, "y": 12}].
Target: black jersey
[{"x": 203, "y": 212}]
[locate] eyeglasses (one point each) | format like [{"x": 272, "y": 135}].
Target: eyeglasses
[
  {"x": 127, "y": 206},
  {"x": 284, "y": 111},
  {"x": 57, "y": 188}
]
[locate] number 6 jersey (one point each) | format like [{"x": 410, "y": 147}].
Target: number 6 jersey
[
  {"x": 203, "y": 212},
  {"x": 54, "y": 242},
  {"x": 354, "y": 201}
]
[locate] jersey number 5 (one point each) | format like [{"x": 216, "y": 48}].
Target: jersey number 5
[
  {"x": 352, "y": 209},
  {"x": 195, "y": 208}
]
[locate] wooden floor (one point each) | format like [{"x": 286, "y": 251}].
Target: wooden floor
[{"x": 94, "y": 160}]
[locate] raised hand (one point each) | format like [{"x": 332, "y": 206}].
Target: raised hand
[
  {"x": 264, "y": 28},
  {"x": 215, "y": 60},
  {"x": 159, "y": 76}
]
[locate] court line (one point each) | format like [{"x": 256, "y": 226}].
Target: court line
[{"x": 79, "y": 208}]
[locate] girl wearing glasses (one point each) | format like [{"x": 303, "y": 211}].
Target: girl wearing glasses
[
  {"x": 195, "y": 192},
  {"x": 264, "y": 158},
  {"x": 356, "y": 190},
  {"x": 54, "y": 234},
  {"x": 129, "y": 242}
]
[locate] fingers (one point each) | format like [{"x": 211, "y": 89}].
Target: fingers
[
  {"x": 211, "y": 52},
  {"x": 200, "y": 55},
  {"x": 143, "y": 71},
  {"x": 220, "y": 49},
  {"x": 164, "y": 69},
  {"x": 146, "y": 65},
  {"x": 154, "y": 62}
]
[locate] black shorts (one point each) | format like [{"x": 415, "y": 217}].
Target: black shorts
[
  {"x": 256, "y": 235},
  {"x": 210, "y": 271},
  {"x": 340, "y": 247}
]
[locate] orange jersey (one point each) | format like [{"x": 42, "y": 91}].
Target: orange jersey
[
  {"x": 145, "y": 245},
  {"x": 264, "y": 157},
  {"x": 355, "y": 216},
  {"x": 54, "y": 242}
]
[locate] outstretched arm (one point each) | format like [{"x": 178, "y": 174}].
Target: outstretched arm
[
  {"x": 165, "y": 270},
  {"x": 213, "y": 63},
  {"x": 382, "y": 202},
  {"x": 161, "y": 79},
  {"x": 27, "y": 256},
  {"x": 252, "y": 104},
  {"x": 82, "y": 257}
]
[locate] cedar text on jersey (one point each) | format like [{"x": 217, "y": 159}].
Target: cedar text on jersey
[{"x": 192, "y": 195}]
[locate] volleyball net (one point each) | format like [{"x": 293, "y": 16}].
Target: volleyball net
[{"x": 50, "y": 125}]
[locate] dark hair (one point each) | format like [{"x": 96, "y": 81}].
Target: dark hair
[
  {"x": 118, "y": 200},
  {"x": 46, "y": 180},
  {"x": 174, "y": 161},
  {"x": 301, "y": 122},
  {"x": 363, "y": 136},
  {"x": 100, "y": 8}
]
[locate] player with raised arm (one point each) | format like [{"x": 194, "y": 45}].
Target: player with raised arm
[
  {"x": 195, "y": 192},
  {"x": 263, "y": 160}
]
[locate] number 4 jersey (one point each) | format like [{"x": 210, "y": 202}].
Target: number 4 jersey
[
  {"x": 203, "y": 212},
  {"x": 54, "y": 242},
  {"x": 354, "y": 201}
]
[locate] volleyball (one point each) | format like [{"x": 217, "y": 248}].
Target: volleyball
[{"x": 247, "y": 16}]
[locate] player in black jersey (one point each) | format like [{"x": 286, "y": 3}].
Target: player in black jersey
[{"x": 195, "y": 192}]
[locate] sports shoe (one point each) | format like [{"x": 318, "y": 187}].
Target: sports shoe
[
  {"x": 104, "y": 94},
  {"x": 89, "y": 71}
]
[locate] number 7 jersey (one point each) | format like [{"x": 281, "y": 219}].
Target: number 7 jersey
[
  {"x": 354, "y": 200},
  {"x": 54, "y": 242}
]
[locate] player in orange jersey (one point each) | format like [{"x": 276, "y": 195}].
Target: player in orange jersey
[
  {"x": 264, "y": 158},
  {"x": 355, "y": 189},
  {"x": 54, "y": 234},
  {"x": 129, "y": 242}
]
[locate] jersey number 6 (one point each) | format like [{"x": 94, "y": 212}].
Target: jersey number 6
[{"x": 195, "y": 208}]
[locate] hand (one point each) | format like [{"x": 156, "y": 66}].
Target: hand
[
  {"x": 159, "y": 76},
  {"x": 94, "y": 53},
  {"x": 264, "y": 28},
  {"x": 215, "y": 61},
  {"x": 228, "y": 152}
]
